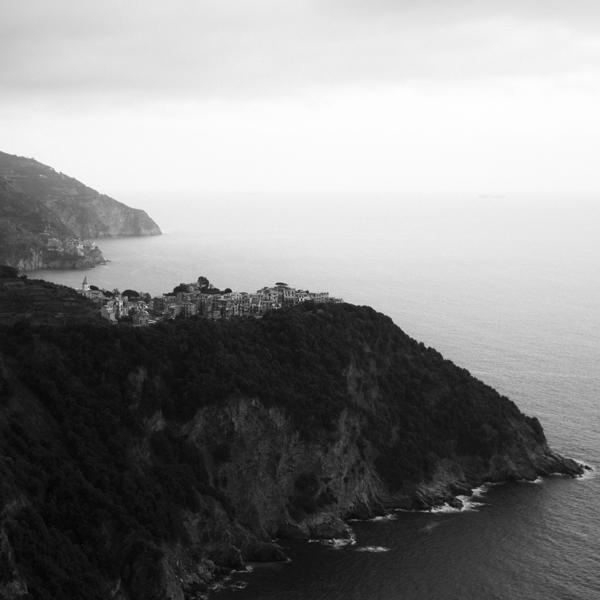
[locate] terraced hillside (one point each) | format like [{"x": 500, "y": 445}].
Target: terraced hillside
[{"x": 41, "y": 302}]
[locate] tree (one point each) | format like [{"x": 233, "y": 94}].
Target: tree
[
  {"x": 7, "y": 272},
  {"x": 131, "y": 294}
]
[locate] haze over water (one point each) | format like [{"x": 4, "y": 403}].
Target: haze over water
[{"x": 508, "y": 288}]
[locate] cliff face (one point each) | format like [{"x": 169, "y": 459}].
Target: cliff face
[
  {"x": 175, "y": 452},
  {"x": 283, "y": 486},
  {"x": 85, "y": 212},
  {"x": 33, "y": 237}
]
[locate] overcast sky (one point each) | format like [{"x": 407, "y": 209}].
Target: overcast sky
[{"x": 470, "y": 96}]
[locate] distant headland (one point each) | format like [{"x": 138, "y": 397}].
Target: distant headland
[{"x": 47, "y": 218}]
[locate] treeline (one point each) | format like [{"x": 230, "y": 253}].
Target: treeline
[{"x": 65, "y": 475}]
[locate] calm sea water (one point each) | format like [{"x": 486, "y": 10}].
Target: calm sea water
[{"x": 508, "y": 288}]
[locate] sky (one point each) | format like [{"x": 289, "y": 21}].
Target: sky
[{"x": 400, "y": 96}]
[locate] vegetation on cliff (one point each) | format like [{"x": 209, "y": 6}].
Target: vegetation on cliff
[
  {"x": 40, "y": 209},
  {"x": 120, "y": 445},
  {"x": 42, "y": 303},
  {"x": 26, "y": 226}
]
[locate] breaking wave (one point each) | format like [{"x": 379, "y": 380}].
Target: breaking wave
[{"x": 372, "y": 549}]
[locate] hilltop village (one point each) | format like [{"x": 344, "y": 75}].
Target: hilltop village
[{"x": 199, "y": 298}]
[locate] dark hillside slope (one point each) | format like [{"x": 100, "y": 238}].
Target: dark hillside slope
[
  {"x": 43, "y": 303},
  {"x": 139, "y": 463}
]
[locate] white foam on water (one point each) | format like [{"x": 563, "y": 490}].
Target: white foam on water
[
  {"x": 238, "y": 585},
  {"x": 444, "y": 508},
  {"x": 482, "y": 489},
  {"x": 389, "y": 517},
  {"x": 440, "y": 508},
  {"x": 372, "y": 549},
  {"x": 337, "y": 543},
  {"x": 469, "y": 504},
  {"x": 588, "y": 473}
]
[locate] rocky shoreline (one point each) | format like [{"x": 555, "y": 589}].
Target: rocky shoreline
[
  {"x": 333, "y": 525},
  {"x": 427, "y": 497},
  {"x": 333, "y": 530},
  {"x": 34, "y": 257}
]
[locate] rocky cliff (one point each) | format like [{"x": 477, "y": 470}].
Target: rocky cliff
[
  {"x": 84, "y": 211},
  {"x": 144, "y": 463},
  {"x": 33, "y": 237}
]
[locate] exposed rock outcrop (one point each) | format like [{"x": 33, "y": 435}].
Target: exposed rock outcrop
[{"x": 283, "y": 486}]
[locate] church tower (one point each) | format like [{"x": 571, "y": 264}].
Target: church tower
[{"x": 85, "y": 287}]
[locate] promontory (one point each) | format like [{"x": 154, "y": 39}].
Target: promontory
[
  {"x": 48, "y": 218},
  {"x": 144, "y": 463}
]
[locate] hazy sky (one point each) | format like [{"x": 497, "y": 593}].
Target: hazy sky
[{"x": 474, "y": 96}]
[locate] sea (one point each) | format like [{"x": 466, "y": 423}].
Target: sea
[{"x": 507, "y": 287}]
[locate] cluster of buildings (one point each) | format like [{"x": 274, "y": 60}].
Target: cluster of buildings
[
  {"x": 115, "y": 306},
  {"x": 73, "y": 246},
  {"x": 202, "y": 299}
]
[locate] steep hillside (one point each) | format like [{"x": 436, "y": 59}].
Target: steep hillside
[
  {"x": 43, "y": 303},
  {"x": 142, "y": 463},
  {"x": 33, "y": 237},
  {"x": 81, "y": 209}
]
